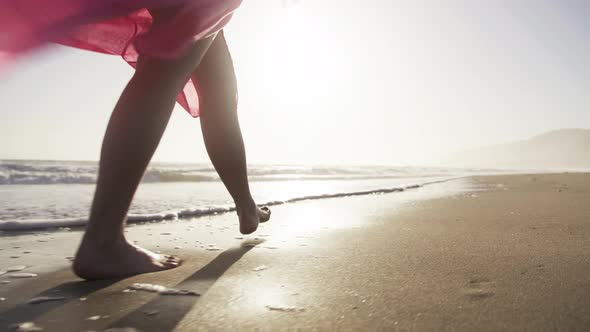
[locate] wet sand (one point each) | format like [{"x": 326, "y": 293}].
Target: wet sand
[{"x": 486, "y": 253}]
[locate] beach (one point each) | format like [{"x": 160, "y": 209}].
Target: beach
[{"x": 486, "y": 253}]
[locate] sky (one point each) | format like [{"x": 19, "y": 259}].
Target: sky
[{"x": 386, "y": 82}]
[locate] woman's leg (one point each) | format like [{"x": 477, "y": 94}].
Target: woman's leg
[
  {"x": 133, "y": 133},
  {"x": 216, "y": 82}
]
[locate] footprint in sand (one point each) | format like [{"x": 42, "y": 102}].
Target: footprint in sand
[{"x": 478, "y": 289}]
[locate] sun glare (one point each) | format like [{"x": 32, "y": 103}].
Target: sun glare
[{"x": 307, "y": 58}]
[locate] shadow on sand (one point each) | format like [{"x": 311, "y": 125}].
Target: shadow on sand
[
  {"x": 71, "y": 291},
  {"x": 171, "y": 309}
]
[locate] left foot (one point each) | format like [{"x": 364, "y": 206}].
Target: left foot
[
  {"x": 119, "y": 260},
  {"x": 251, "y": 217}
]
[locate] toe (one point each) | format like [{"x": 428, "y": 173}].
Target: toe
[
  {"x": 265, "y": 216},
  {"x": 171, "y": 264},
  {"x": 173, "y": 259}
]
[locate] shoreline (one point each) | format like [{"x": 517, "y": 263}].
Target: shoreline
[{"x": 15, "y": 226}]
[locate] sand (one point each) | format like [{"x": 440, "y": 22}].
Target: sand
[{"x": 486, "y": 253}]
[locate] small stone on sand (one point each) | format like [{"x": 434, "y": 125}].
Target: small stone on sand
[
  {"x": 172, "y": 291},
  {"x": 162, "y": 290},
  {"x": 260, "y": 268},
  {"x": 5, "y": 282},
  {"x": 284, "y": 308},
  {"x": 14, "y": 256},
  {"x": 93, "y": 318},
  {"x": 42, "y": 299},
  {"x": 151, "y": 312},
  {"x": 83, "y": 299},
  {"x": 166, "y": 233},
  {"x": 213, "y": 249},
  {"x": 23, "y": 275},
  {"x": 27, "y": 327}
]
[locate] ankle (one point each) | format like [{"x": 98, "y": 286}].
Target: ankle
[
  {"x": 246, "y": 206},
  {"x": 103, "y": 240}
]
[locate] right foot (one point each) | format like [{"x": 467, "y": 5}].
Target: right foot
[
  {"x": 119, "y": 260},
  {"x": 250, "y": 218}
]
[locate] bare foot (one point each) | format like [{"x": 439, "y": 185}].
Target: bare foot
[
  {"x": 250, "y": 218},
  {"x": 118, "y": 260}
]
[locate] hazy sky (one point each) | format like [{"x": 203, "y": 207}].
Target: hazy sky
[{"x": 326, "y": 81}]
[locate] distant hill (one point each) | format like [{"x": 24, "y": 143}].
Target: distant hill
[{"x": 565, "y": 149}]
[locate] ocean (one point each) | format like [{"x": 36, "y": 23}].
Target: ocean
[{"x": 49, "y": 194}]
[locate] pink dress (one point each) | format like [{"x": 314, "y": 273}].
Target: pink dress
[{"x": 118, "y": 27}]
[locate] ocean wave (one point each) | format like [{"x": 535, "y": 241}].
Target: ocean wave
[
  {"x": 55, "y": 172},
  {"x": 38, "y": 224}
]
